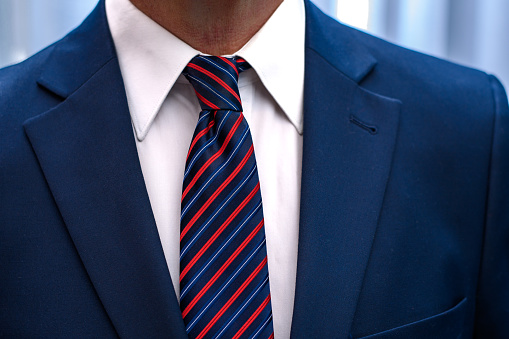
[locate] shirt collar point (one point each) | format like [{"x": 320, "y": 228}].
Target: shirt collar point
[{"x": 139, "y": 132}]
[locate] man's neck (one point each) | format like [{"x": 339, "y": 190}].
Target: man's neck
[{"x": 216, "y": 27}]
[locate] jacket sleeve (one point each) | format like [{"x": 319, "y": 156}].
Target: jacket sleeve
[{"x": 492, "y": 304}]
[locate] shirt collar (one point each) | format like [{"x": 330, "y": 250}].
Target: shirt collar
[
  {"x": 151, "y": 66},
  {"x": 276, "y": 52}
]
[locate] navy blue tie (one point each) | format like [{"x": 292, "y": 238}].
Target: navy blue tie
[{"x": 224, "y": 282}]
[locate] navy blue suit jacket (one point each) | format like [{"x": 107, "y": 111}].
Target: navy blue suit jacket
[{"x": 404, "y": 226}]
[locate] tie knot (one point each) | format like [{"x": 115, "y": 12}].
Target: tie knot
[{"x": 215, "y": 81}]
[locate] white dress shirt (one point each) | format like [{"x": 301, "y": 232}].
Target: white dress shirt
[{"x": 164, "y": 111}]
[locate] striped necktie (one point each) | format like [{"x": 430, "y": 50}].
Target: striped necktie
[{"x": 224, "y": 282}]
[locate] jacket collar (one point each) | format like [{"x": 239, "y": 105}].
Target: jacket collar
[
  {"x": 80, "y": 54},
  {"x": 337, "y": 44}
]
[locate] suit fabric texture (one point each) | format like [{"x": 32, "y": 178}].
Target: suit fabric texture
[{"x": 404, "y": 219}]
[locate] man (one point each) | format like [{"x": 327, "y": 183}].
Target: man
[{"x": 384, "y": 176}]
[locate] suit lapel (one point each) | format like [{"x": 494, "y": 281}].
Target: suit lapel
[
  {"x": 87, "y": 152},
  {"x": 349, "y": 136}
]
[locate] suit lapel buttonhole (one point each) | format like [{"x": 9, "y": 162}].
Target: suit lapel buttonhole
[{"x": 370, "y": 128}]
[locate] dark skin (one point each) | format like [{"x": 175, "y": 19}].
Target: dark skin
[{"x": 216, "y": 27}]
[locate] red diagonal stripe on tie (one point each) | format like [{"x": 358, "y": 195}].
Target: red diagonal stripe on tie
[
  {"x": 232, "y": 299},
  {"x": 271, "y": 336},
  {"x": 199, "y": 135},
  {"x": 216, "y": 193},
  {"x": 222, "y": 269},
  {"x": 216, "y": 78},
  {"x": 219, "y": 231},
  {"x": 214, "y": 157},
  {"x": 252, "y": 318},
  {"x": 202, "y": 98},
  {"x": 230, "y": 63}
]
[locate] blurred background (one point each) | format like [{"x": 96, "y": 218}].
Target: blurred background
[{"x": 470, "y": 32}]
